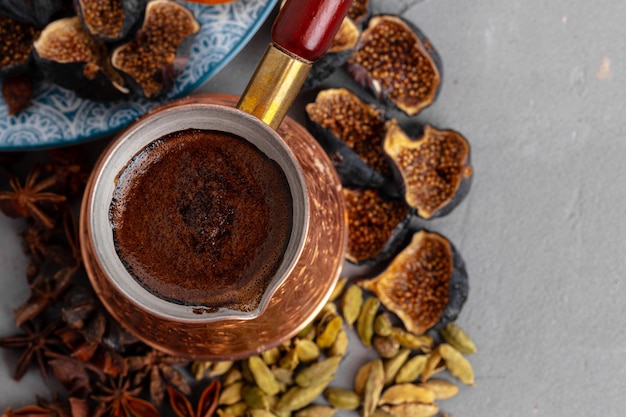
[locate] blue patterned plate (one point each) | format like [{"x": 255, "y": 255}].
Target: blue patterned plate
[{"x": 57, "y": 117}]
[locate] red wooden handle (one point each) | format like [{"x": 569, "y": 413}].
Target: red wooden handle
[{"x": 306, "y": 28}]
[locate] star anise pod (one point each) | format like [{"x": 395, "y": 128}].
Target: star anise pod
[
  {"x": 35, "y": 343},
  {"x": 28, "y": 200},
  {"x": 70, "y": 168},
  {"x": 44, "y": 292},
  {"x": 207, "y": 404},
  {"x": 118, "y": 397},
  {"x": 75, "y": 375},
  {"x": 158, "y": 369}
]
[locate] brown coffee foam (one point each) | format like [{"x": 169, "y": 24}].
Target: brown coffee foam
[{"x": 206, "y": 225}]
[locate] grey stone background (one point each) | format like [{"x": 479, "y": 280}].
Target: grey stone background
[{"x": 539, "y": 89}]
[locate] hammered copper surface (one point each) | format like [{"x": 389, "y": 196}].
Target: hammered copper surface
[{"x": 295, "y": 303}]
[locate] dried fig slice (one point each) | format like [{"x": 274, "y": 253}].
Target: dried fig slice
[
  {"x": 16, "y": 46},
  {"x": 397, "y": 63},
  {"x": 377, "y": 226},
  {"x": 71, "y": 58},
  {"x": 110, "y": 20},
  {"x": 352, "y": 134},
  {"x": 151, "y": 61},
  {"x": 359, "y": 11},
  {"x": 340, "y": 50},
  {"x": 433, "y": 172},
  {"x": 425, "y": 285},
  {"x": 33, "y": 12}
]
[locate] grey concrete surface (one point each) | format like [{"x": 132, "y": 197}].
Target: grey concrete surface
[{"x": 539, "y": 89}]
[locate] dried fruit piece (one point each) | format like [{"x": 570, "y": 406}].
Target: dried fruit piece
[
  {"x": 16, "y": 46},
  {"x": 68, "y": 56},
  {"x": 151, "y": 61},
  {"x": 359, "y": 10},
  {"x": 433, "y": 172},
  {"x": 33, "y": 12},
  {"x": 110, "y": 20},
  {"x": 397, "y": 63},
  {"x": 424, "y": 285},
  {"x": 377, "y": 226},
  {"x": 351, "y": 132}
]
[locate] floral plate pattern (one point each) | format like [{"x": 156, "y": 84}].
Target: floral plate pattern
[{"x": 57, "y": 117}]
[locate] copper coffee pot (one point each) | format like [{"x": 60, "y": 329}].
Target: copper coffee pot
[{"x": 301, "y": 34}]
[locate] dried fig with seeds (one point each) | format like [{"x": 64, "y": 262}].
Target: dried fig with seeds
[
  {"x": 433, "y": 172},
  {"x": 153, "y": 58},
  {"x": 377, "y": 225},
  {"x": 351, "y": 132},
  {"x": 397, "y": 63},
  {"x": 425, "y": 285},
  {"x": 71, "y": 58},
  {"x": 111, "y": 20}
]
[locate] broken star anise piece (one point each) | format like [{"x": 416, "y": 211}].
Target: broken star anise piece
[
  {"x": 159, "y": 370},
  {"x": 35, "y": 342},
  {"x": 70, "y": 167},
  {"x": 44, "y": 291},
  {"x": 28, "y": 200},
  {"x": 207, "y": 404}
]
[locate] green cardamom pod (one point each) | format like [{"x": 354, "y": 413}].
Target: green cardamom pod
[
  {"x": 263, "y": 376},
  {"x": 365, "y": 321},
  {"x": 406, "y": 393},
  {"x": 412, "y": 369},
  {"x": 457, "y": 364},
  {"x": 322, "y": 370},
  {"x": 455, "y": 336},
  {"x": 342, "y": 398},
  {"x": 351, "y": 304},
  {"x": 374, "y": 384}
]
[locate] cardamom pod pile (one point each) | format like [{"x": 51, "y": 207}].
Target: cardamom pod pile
[{"x": 410, "y": 375}]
